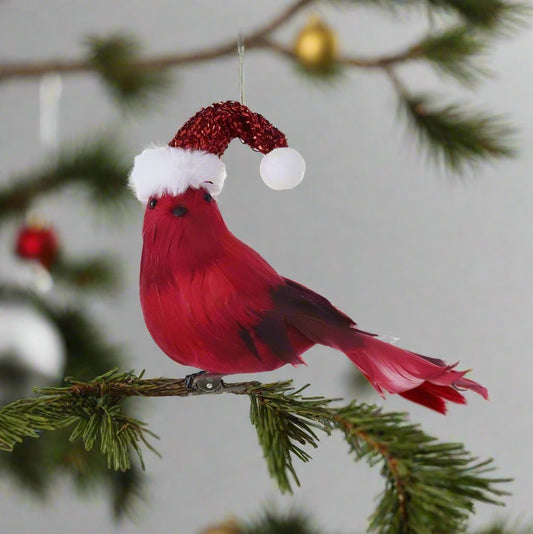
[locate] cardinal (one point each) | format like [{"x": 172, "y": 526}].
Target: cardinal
[{"x": 212, "y": 302}]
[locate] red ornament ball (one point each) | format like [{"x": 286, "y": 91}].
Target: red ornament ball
[{"x": 37, "y": 243}]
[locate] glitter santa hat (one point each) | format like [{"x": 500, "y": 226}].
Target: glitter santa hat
[{"x": 192, "y": 158}]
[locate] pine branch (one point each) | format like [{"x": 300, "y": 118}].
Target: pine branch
[
  {"x": 96, "y": 421},
  {"x": 87, "y": 352},
  {"x": 430, "y": 486},
  {"x": 504, "y": 527},
  {"x": 96, "y": 166},
  {"x": 453, "y": 134},
  {"x": 251, "y": 40},
  {"x": 454, "y": 51},
  {"x": 88, "y": 274},
  {"x": 158, "y": 63},
  {"x": 283, "y": 430},
  {"x": 35, "y": 463},
  {"x": 499, "y": 16},
  {"x": 127, "y": 489},
  {"x": 274, "y": 522},
  {"x": 115, "y": 58}
]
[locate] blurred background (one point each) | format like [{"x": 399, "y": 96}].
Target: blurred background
[{"x": 405, "y": 245}]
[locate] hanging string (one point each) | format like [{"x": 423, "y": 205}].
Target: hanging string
[
  {"x": 50, "y": 90},
  {"x": 240, "y": 51}
]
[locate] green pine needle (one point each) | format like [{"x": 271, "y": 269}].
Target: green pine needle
[
  {"x": 127, "y": 488},
  {"x": 429, "y": 486},
  {"x": 98, "y": 422},
  {"x": 282, "y": 432},
  {"x": 504, "y": 527},
  {"x": 34, "y": 463},
  {"x": 456, "y": 136},
  {"x": 90, "y": 274},
  {"x": 87, "y": 351},
  {"x": 96, "y": 166},
  {"x": 499, "y": 16},
  {"x": 115, "y": 58},
  {"x": 275, "y": 522},
  {"x": 454, "y": 52}
]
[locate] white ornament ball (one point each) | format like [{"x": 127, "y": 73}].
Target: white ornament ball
[
  {"x": 282, "y": 168},
  {"x": 32, "y": 351}
]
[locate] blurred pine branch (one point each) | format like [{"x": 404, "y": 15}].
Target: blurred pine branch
[
  {"x": 98, "y": 273},
  {"x": 429, "y": 486},
  {"x": 455, "y": 46},
  {"x": 115, "y": 58},
  {"x": 294, "y": 521},
  {"x": 456, "y": 136},
  {"x": 34, "y": 465},
  {"x": 96, "y": 165}
]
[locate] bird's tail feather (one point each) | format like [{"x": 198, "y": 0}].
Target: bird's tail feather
[{"x": 427, "y": 381}]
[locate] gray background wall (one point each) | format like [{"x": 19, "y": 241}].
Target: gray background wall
[{"x": 403, "y": 248}]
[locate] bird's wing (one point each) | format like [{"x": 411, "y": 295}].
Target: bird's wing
[
  {"x": 313, "y": 315},
  {"x": 239, "y": 287},
  {"x": 272, "y": 331}
]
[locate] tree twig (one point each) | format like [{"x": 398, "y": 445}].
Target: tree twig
[
  {"x": 152, "y": 387},
  {"x": 252, "y": 40},
  {"x": 412, "y": 52},
  {"x": 258, "y": 39}
]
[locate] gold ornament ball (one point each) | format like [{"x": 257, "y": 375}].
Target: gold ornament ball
[{"x": 316, "y": 45}]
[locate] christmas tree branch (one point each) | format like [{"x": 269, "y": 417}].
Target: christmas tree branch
[
  {"x": 96, "y": 165},
  {"x": 486, "y": 14},
  {"x": 251, "y": 40},
  {"x": 36, "y": 69},
  {"x": 98, "y": 274},
  {"x": 452, "y": 133},
  {"x": 430, "y": 486},
  {"x": 295, "y": 521},
  {"x": 499, "y": 16},
  {"x": 35, "y": 464},
  {"x": 261, "y": 41}
]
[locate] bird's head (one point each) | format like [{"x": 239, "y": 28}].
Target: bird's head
[{"x": 187, "y": 226}]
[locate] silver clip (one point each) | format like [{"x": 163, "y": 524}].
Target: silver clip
[{"x": 208, "y": 384}]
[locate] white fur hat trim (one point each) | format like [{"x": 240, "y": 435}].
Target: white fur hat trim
[{"x": 167, "y": 170}]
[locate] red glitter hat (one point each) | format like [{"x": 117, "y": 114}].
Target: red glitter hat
[{"x": 192, "y": 158}]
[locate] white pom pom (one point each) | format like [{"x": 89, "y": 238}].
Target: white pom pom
[{"x": 282, "y": 168}]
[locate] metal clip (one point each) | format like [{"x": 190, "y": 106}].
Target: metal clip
[{"x": 207, "y": 384}]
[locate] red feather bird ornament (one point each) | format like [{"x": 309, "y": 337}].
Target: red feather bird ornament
[{"x": 212, "y": 302}]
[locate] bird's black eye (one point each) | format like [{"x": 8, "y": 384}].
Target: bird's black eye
[
  {"x": 208, "y": 197},
  {"x": 179, "y": 211},
  {"x": 153, "y": 203}
]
